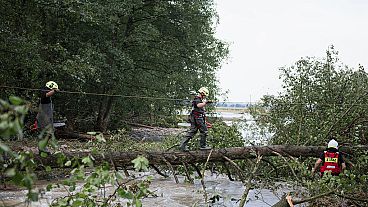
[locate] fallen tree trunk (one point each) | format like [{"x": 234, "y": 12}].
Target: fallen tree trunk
[{"x": 191, "y": 157}]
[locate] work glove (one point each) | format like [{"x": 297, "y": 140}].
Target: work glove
[{"x": 210, "y": 101}]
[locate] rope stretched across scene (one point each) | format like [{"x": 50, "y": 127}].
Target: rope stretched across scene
[{"x": 176, "y": 99}]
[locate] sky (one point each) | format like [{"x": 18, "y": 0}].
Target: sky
[{"x": 264, "y": 35}]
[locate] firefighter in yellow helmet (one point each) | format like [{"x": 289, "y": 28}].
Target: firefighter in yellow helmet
[
  {"x": 45, "y": 116},
  {"x": 197, "y": 121}
]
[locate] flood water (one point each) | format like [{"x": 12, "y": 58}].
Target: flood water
[
  {"x": 168, "y": 193},
  {"x": 171, "y": 194}
]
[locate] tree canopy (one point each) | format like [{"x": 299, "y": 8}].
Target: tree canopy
[
  {"x": 135, "y": 47},
  {"x": 322, "y": 98}
]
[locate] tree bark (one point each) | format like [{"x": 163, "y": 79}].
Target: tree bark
[
  {"x": 104, "y": 114},
  {"x": 192, "y": 157}
]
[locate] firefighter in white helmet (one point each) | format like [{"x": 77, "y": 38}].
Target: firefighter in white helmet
[
  {"x": 198, "y": 120},
  {"x": 331, "y": 159}
]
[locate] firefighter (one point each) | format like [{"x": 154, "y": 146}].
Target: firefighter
[
  {"x": 331, "y": 159},
  {"x": 45, "y": 116},
  {"x": 198, "y": 121}
]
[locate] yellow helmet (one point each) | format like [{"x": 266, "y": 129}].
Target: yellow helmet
[
  {"x": 52, "y": 85},
  {"x": 204, "y": 90}
]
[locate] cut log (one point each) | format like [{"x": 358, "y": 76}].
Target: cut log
[
  {"x": 191, "y": 157},
  {"x": 72, "y": 135},
  {"x": 283, "y": 202},
  {"x": 140, "y": 125}
]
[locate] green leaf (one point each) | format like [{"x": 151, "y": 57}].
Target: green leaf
[
  {"x": 32, "y": 196},
  {"x": 21, "y": 109},
  {"x": 68, "y": 163},
  {"x": 124, "y": 194},
  {"x": 4, "y": 147},
  {"x": 100, "y": 138},
  {"x": 4, "y": 104},
  {"x": 10, "y": 172},
  {"x": 87, "y": 161},
  {"x": 60, "y": 159},
  {"x": 42, "y": 144},
  {"x": 119, "y": 176},
  {"x": 63, "y": 202},
  {"x": 17, "y": 179},
  {"x": 49, "y": 187},
  {"x": 138, "y": 203},
  {"x": 72, "y": 188},
  {"x": 77, "y": 203},
  {"x": 27, "y": 181},
  {"x": 140, "y": 163},
  {"x": 43, "y": 154},
  {"x": 15, "y": 100},
  {"x": 48, "y": 169}
]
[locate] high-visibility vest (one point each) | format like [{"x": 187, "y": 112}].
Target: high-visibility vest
[{"x": 331, "y": 163}]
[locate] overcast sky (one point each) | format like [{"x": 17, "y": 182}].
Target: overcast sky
[{"x": 265, "y": 35}]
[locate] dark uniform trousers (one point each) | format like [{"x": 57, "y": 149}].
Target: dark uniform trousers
[{"x": 196, "y": 123}]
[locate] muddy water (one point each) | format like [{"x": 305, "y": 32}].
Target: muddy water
[
  {"x": 168, "y": 193},
  {"x": 228, "y": 192}
]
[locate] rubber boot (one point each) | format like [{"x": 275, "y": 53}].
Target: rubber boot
[
  {"x": 202, "y": 143},
  {"x": 183, "y": 145}
]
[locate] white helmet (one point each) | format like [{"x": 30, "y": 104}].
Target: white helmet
[
  {"x": 204, "y": 90},
  {"x": 52, "y": 85},
  {"x": 332, "y": 144}
]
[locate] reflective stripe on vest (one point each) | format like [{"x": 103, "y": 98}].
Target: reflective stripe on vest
[{"x": 331, "y": 162}]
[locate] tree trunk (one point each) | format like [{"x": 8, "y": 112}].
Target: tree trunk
[
  {"x": 104, "y": 114},
  {"x": 191, "y": 157}
]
